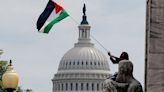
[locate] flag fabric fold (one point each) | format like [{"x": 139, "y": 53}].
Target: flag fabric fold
[{"x": 52, "y": 14}]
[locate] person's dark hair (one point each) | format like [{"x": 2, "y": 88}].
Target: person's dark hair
[{"x": 124, "y": 55}]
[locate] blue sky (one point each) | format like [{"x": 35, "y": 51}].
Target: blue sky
[{"x": 118, "y": 24}]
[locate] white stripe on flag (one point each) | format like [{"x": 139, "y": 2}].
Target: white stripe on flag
[
  {"x": 42, "y": 29},
  {"x": 50, "y": 18}
]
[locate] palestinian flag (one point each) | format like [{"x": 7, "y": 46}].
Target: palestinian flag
[{"x": 52, "y": 14}]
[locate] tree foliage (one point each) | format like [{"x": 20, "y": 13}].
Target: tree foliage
[
  {"x": 3, "y": 65},
  {"x": 19, "y": 89}
]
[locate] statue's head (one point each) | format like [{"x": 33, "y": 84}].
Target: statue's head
[
  {"x": 124, "y": 56},
  {"x": 126, "y": 67}
]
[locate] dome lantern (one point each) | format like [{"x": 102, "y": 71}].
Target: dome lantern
[{"x": 84, "y": 32}]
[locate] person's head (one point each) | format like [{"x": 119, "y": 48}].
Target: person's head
[{"x": 124, "y": 56}]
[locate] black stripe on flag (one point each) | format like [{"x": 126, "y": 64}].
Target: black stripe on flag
[{"x": 45, "y": 14}]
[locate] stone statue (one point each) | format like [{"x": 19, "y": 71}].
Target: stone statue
[
  {"x": 125, "y": 82},
  {"x": 113, "y": 86}
]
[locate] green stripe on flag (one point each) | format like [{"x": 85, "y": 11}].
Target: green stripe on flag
[{"x": 62, "y": 15}]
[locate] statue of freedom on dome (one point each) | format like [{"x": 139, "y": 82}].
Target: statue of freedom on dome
[{"x": 84, "y": 9}]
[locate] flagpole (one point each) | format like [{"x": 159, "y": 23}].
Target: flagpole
[
  {"x": 99, "y": 43},
  {"x": 74, "y": 20}
]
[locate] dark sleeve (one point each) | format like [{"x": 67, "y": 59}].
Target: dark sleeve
[{"x": 114, "y": 60}]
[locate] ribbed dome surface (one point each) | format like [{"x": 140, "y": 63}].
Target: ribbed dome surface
[
  {"x": 84, "y": 53},
  {"x": 84, "y": 58}
]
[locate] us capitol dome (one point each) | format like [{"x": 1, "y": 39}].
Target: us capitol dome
[{"x": 83, "y": 68}]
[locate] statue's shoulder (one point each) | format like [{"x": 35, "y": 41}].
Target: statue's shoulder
[
  {"x": 135, "y": 82},
  {"x": 135, "y": 86}
]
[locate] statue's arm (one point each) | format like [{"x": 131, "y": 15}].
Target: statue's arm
[
  {"x": 119, "y": 85},
  {"x": 137, "y": 88}
]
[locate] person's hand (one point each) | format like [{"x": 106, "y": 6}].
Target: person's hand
[{"x": 109, "y": 54}]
